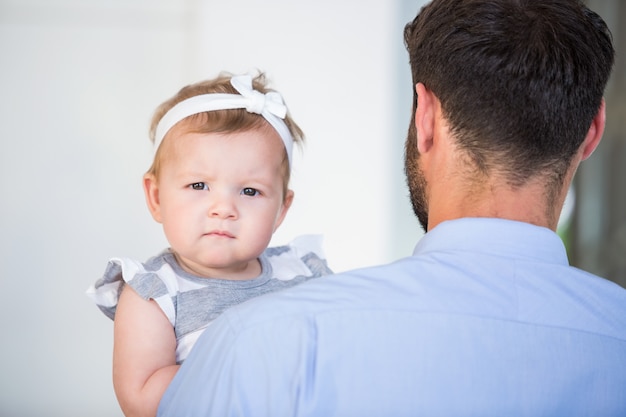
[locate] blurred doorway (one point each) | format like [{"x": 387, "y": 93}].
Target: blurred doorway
[{"x": 597, "y": 239}]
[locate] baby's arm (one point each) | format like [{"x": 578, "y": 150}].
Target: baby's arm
[{"x": 144, "y": 354}]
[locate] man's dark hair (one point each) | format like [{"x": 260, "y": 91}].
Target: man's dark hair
[{"x": 519, "y": 81}]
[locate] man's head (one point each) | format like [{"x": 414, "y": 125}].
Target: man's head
[{"x": 519, "y": 83}]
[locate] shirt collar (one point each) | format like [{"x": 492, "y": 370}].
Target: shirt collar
[{"x": 497, "y": 237}]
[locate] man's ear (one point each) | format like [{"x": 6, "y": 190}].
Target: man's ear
[
  {"x": 284, "y": 209},
  {"x": 424, "y": 117},
  {"x": 596, "y": 130},
  {"x": 151, "y": 191}
]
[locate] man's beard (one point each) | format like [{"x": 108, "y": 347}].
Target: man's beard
[{"x": 415, "y": 178}]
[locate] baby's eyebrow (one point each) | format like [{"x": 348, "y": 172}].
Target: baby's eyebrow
[{"x": 192, "y": 173}]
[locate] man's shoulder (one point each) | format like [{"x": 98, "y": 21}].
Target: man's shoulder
[
  {"x": 350, "y": 289},
  {"x": 375, "y": 287}
]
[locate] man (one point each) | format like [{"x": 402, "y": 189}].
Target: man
[{"x": 486, "y": 318}]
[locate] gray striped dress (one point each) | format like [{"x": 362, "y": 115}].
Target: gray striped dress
[{"x": 191, "y": 302}]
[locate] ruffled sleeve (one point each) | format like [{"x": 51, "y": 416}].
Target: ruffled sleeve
[
  {"x": 158, "y": 283},
  {"x": 302, "y": 257}
]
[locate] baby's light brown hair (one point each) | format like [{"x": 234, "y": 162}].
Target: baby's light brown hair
[{"x": 219, "y": 121}]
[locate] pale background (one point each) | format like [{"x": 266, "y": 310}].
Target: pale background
[{"x": 79, "y": 81}]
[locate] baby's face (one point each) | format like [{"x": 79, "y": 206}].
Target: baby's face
[{"x": 220, "y": 198}]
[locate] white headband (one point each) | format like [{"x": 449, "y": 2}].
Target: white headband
[{"x": 270, "y": 106}]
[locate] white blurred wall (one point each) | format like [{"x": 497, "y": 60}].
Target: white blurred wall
[{"x": 79, "y": 81}]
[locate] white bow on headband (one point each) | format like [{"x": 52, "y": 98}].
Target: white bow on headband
[{"x": 270, "y": 106}]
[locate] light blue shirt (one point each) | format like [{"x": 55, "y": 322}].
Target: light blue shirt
[{"x": 485, "y": 319}]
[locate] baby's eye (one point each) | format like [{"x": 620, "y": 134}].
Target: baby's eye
[
  {"x": 250, "y": 191},
  {"x": 198, "y": 186}
]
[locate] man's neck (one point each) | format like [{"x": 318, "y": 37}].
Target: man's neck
[{"x": 454, "y": 200}]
